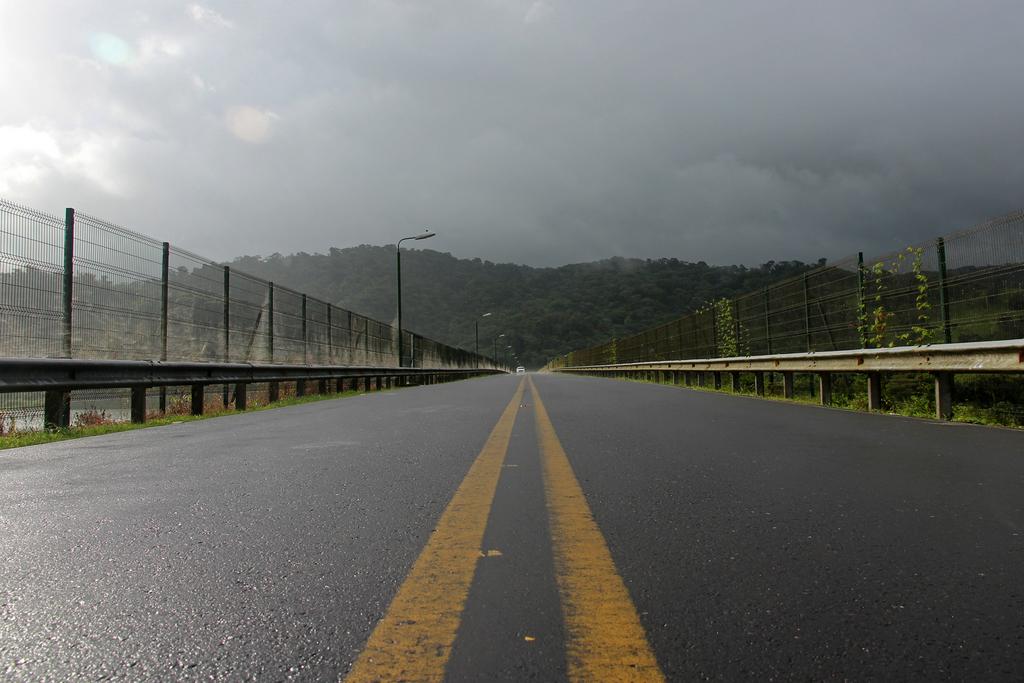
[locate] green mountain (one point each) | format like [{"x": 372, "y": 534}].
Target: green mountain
[{"x": 543, "y": 312}]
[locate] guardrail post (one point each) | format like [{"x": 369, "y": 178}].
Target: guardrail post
[
  {"x": 759, "y": 383},
  {"x": 735, "y": 382},
  {"x": 240, "y": 396},
  {"x": 947, "y": 334},
  {"x": 57, "y": 409},
  {"x": 138, "y": 405},
  {"x": 787, "y": 384},
  {"x": 322, "y": 386},
  {"x": 874, "y": 391},
  {"x": 300, "y": 388},
  {"x": 165, "y": 272},
  {"x": 227, "y": 328},
  {"x": 687, "y": 378},
  {"x": 701, "y": 379},
  {"x": 198, "y": 399},
  {"x": 69, "y": 278},
  {"x": 944, "y": 395},
  {"x": 825, "y": 388},
  {"x": 718, "y": 381}
]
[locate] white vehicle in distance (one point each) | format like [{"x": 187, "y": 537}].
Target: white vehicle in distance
[{"x": 520, "y": 370}]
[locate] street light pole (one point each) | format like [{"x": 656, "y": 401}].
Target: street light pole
[
  {"x": 398, "y": 271},
  {"x": 494, "y": 350},
  {"x": 476, "y": 324}
]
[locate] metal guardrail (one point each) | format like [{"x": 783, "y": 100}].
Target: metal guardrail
[
  {"x": 58, "y": 377},
  {"x": 941, "y": 360}
]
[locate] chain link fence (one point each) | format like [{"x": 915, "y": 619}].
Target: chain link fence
[
  {"x": 968, "y": 286},
  {"x": 81, "y": 287}
]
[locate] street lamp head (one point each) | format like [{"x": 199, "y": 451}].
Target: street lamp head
[
  {"x": 485, "y": 315},
  {"x": 427, "y": 234}
]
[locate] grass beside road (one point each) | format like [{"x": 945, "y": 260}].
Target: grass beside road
[
  {"x": 32, "y": 438},
  {"x": 976, "y": 397}
]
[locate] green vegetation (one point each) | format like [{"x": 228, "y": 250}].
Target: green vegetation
[
  {"x": 95, "y": 423},
  {"x": 996, "y": 400},
  {"x": 544, "y": 312}
]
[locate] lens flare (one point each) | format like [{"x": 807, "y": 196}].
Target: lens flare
[{"x": 110, "y": 49}]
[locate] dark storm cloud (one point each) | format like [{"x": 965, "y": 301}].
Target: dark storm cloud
[{"x": 539, "y": 132}]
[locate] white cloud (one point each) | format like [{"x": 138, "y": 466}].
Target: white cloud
[
  {"x": 205, "y": 15},
  {"x": 29, "y": 155}
]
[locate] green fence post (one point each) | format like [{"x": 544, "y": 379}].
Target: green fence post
[
  {"x": 807, "y": 314},
  {"x": 69, "y": 278},
  {"x": 225, "y": 395},
  {"x": 861, "y": 312},
  {"x": 767, "y": 320},
  {"x": 165, "y": 271},
  {"x": 947, "y": 334},
  {"x": 305, "y": 341}
]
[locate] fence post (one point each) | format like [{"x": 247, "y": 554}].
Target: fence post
[
  {"x": 807, "y": 314},
  {"x": 227, "y": 329},
  {"x": 330, "y": 336},
  {"x": 947, "y": 335},
  {"x": 165, "y": 271},
  {"x": 69, "y": 277},
  {"x": 736, "y": 325},
  {"x": 714, "y": 329},
  {"x": 305, "y": 349},
  {"x": 273, "y": 388},
  {"x": 767, "y": 320},
  {"x": 862, "y": 318}
]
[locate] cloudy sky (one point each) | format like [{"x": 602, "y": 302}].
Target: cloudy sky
[{"x": 540, "y": 132}]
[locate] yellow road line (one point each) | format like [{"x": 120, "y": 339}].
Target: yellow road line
[
  {"x": 606, "y": 641},
  {"x": 413, "y": 640}
]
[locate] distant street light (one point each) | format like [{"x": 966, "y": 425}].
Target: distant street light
[
  {"x": 494, "y": 349},
  {"x": 476, "y": 324},
  {"x": 398, "y": 256}
]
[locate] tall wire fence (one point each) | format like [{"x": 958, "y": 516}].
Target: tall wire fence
[
  {"x": 967, "y": 286},
  {"x": 81, "y": 287}
]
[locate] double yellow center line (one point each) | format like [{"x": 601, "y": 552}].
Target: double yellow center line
[{"x": 606, "y": 641}]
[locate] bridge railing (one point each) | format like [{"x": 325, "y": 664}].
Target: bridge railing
[
  {"x": 964, "y": 287},
  {"x": 84, "y": 288},
  {"x": 942, "y": 361}
]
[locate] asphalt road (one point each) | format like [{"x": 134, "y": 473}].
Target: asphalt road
[{"x": 754, "y": 539}]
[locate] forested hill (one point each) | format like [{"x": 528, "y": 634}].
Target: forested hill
[{"x": 542, "y": 311}]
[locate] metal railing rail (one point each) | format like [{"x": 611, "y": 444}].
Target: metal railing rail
[
  {"x": 941, "y": 360},
  {"x": 58, "y": 377},
  {"x": 79, "y": 287}
]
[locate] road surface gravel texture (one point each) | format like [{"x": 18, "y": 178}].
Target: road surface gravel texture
[{"x": 755, "y": 539}]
